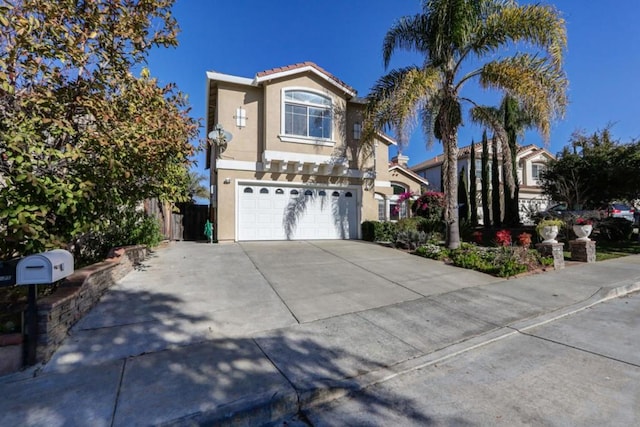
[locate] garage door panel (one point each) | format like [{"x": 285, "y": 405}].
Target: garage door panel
[{"x": 275, "y": 213}]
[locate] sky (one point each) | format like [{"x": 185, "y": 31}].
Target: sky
[{"x": 244, "y": 37}]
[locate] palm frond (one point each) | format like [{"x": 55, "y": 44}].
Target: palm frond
[
  {"x": 397, "y": 97},
  {"x": 408, "y": 33},
  {"x": 539, "y": 86},
  {"x": 538, "y": 25}
]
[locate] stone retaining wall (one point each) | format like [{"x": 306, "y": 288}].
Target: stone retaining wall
[{"x": 58, "y": 312}]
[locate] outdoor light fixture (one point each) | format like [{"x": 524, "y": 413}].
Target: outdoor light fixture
[{"x": 241, "y": 117}]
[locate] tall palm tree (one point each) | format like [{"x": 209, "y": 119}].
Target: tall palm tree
[{"x": 460, "y": 41}]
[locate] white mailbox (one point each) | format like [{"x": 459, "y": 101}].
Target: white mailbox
[{"x": 44, "y": 268}]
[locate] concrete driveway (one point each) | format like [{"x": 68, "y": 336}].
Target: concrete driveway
[{"x": 190, "y": 292}]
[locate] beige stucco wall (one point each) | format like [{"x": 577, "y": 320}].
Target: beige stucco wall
[{"x": 247, "y": 141}]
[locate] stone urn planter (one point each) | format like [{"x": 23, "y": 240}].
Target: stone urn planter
[
  {"x": 549, "y": 234},
  {"x": 548, "y": 230},
  {"x": 582, "y": 231}
]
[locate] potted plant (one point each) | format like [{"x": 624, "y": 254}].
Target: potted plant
[
  {"x": 548, "y": 229},
  {"x": 583, "y": 228}
]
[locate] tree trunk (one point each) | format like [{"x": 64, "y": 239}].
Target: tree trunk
[{"x": 450, "y": 166}]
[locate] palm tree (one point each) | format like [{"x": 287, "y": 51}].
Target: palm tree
[
  {"x": 195, "y": 188},
  {"x": 455, "y": 36}
]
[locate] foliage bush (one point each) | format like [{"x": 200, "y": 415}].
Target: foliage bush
[
  {"x": 499, "y": 261},
  {"x": 615, "y": 229},
  {"x": 131, "y": 228},
  {"x": 379, "y": 231}
]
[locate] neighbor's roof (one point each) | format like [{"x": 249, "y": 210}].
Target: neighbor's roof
[
  {"x": 409, "y": 173},
  {"x": 464, "y": 152}
]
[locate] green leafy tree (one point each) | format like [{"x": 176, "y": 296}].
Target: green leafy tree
[
  {"x": 593, "y": 170},
  {"x": 82, "y": 138},
  {"x": 460, "y": 41}
]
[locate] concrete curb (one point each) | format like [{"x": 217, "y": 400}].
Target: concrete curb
[
  {"x": 245, "y": 412},
  {"x": 327, "y": 391}
]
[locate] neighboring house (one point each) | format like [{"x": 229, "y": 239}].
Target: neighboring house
[
  {"x": 531, "y": 161},
  {"x": 295, "y": 167}
]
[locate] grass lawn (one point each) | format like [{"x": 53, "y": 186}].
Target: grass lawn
[{"x": 608, "y": 250}]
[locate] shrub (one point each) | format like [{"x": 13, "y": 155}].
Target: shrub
[
  {"x": 131, "y": 228},
  {"x": 524, "y": 240},
  {"x": 379, "y": 231},
  {"x": 430, "y": 205},
  {"x": 615, "y": 229},
  {"x": 432, "y": 251},
  {"x": 410, "y": 239},
  {"x": 503, "y": 238}
]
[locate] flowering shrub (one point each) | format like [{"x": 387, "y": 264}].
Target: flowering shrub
[
  {"x": 407, "y": 195},
  {"x": 503, "y": 238},
  {"x": 583, "y": 221},
  {"x": 429, "y": 205},
  {"x": 524, "y": 240}
]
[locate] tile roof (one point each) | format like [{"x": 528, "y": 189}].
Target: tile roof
[{"x": 292, "y": 67}]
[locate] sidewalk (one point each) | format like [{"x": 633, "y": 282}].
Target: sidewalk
[{"x": 259, "y": 375}]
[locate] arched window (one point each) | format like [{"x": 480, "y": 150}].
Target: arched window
[
  {"x": 279, "y": 191},
  {"x": 248, "y": 190},
  {"x": 308, "y": 193},
  {"x": 264, "y": 191},
  {"x": 322, "y": 193},
  {"x": 307, "y": 114},
  {"x": 335, "y": 194},
  {"x": 348, "y": 194},
  {"x": 294, "y": 192}
]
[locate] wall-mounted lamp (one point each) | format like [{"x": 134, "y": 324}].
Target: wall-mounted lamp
[
  {"x": 241, "y": 117},
  {"x": 227, "y": 181}
]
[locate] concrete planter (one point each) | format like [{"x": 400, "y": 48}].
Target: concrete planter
[
  {"x": 549, "y": 233},
  {"x": 582, "y": 232}
]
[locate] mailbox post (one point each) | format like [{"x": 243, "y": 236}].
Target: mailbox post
[{"x": 45, "y": 268}]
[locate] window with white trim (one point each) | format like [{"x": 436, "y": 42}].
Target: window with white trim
[
  {"x": 307, "y": 114},
  {"x": 536, "y": 170}
]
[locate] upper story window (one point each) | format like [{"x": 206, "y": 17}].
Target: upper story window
[
  {"x": 536, "y": 170},
  {"x": 307, "y": 114}
]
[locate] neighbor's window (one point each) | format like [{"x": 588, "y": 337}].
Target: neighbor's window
[
  {"x": 307, "y": 114},
  {"x": 536, "y": 170}
]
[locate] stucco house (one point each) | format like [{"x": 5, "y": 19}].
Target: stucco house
[
  {"x": 531, "y": 161},
  {"x": 295, "y": 166}
]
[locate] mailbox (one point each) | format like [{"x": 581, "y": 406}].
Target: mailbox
[
  {"x": 44, "y": 268},
  {"x": 8, "y": 272}
]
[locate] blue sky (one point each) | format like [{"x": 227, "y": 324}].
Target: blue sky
[{"x": 243, "y": 37}]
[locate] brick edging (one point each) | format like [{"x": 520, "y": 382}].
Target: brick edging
[{"x": 79, "y": 292}]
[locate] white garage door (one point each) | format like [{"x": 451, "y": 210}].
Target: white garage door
[{"x": 268, "y": 212}]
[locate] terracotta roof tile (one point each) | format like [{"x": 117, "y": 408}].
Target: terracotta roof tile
[{"x": 302, "y": 65}]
